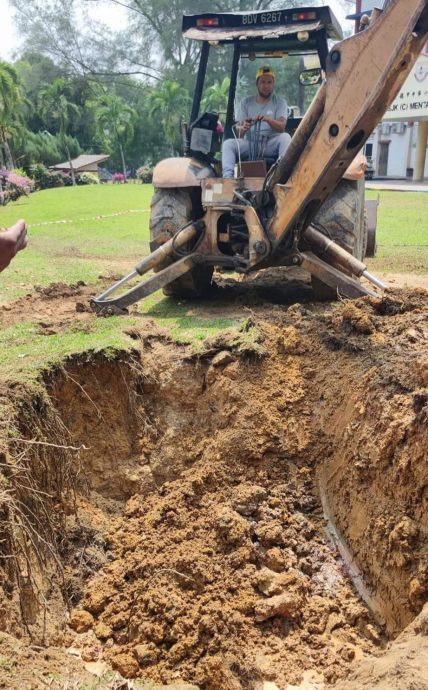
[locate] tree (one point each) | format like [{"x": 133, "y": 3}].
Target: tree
[
  {"x": 170, "y": 101},
  {"x": 67, "y": 32},
  {"x": 115, "y": 120},
  {"x": 73, "y": 38},
  {"x": 57, "y": 109},
  {"x": 35, "y": 73},
  {"x": 10, "y": 100},
  {"x": 216, "y": 96},
  {"x": 42, "y": 147}
]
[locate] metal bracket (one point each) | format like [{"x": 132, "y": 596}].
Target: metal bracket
[
  {"x": 102, "y": 305},
  {"x": 347, "y": 286}
]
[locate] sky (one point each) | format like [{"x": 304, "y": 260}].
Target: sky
[{"x": 111, "y": 15}]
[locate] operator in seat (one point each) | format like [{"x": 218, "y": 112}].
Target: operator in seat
[{"x": 271, "y": 110}]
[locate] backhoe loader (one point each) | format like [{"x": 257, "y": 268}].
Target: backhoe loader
[{"x": 300, "y": 211}]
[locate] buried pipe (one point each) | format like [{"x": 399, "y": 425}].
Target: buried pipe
[{"x": 351, "y": 567}]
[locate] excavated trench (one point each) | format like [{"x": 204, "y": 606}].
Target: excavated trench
[{"x": 255, "y": 517}]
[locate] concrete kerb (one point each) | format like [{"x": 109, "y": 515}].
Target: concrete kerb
[{"x": 397, "y": 185}]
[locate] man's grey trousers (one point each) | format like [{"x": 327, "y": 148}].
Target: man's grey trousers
[{"x": 275, "y": 147}]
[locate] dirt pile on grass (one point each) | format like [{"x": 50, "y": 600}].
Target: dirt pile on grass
[{"x": 198, "y": 552}]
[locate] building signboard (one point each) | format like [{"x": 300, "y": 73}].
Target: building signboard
[{"x": 412, "y": 101}]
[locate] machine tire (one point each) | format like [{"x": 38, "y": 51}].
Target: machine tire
[
  {"x": 170, "y": 210},
  {"x": 343, "y": 219}
]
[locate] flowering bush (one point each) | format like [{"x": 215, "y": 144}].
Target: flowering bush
[
  {"x": 87, "y": 178},
  {"x": 118, "y": 178},
  {"x": 14, "y": 185},
  {"x": 145, "y": 173}
]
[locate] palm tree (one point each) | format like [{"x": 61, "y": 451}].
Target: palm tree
[
  {"x": 56, "y": 108},
  {"x": 170, "y": 102},
  {"x": 216, "y": 96},
  {"x": 10, "y": 99},
  {"x": 115, "y": 120}
]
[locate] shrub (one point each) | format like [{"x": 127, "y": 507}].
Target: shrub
[
  {"x": 20, "y": 171},
  {"x": 4, "y": 198},
  {"x": 67, "y": 180},
  {"x": 104, "y": 175},
  {"x": 47, "y": 179},
  {"x": 145, "y": 173},
  {"x": 87, "y": 178},
  {"x": 118, "y": 178}
]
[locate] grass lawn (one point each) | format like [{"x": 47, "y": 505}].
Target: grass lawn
[
  {"x": 85, "y": 233},
  {"x": 402, "y": 234},
  {"x": 77, "y": 234}
]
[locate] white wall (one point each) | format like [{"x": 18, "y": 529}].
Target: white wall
[
  {"x": 398, "y": 150},
  {"x": 398, "y": 157},
  {"x": 371, "y": 4}
]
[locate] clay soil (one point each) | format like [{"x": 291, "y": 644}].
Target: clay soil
[{"x": 253, "y": 517}]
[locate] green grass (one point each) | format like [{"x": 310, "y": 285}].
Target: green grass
[
  {"x": 25, "y": 349},
  {"x": 84, "y": 248},
  {"x": 95, "y": 242},
  {"x": 402, "y": 233},
  {"x": 92, "y": 242},
  {"x": 71, "y": 203}
]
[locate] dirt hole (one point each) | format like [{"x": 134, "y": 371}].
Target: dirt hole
[{"x": 231, "y": 521}]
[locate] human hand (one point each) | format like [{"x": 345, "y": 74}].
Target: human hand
[{"x": 12, "y": 241}]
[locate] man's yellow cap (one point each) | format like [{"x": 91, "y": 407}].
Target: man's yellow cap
[{"x": 265, "y": 71}]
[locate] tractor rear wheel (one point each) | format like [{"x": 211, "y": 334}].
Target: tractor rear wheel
[
  {"x": 170, "y": 210},
  {"x": 343, "y": 219}
]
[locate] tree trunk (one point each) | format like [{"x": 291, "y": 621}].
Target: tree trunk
[
  {"x": 9, "y": 157},
  {"x": 2, "y": 158},
  {"x": 73, "y": 177},
  {"x": 7, "y": 154},
  {"x": 123, "y": 161}
]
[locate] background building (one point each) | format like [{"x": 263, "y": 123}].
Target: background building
[
  {"x": 398, "y": 146},
  {"x": 83, "y": 163}
]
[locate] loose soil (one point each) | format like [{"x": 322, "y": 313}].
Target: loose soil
[
  {"x": 58, "y": 305},
  {"x": 251, "y": 517}
]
